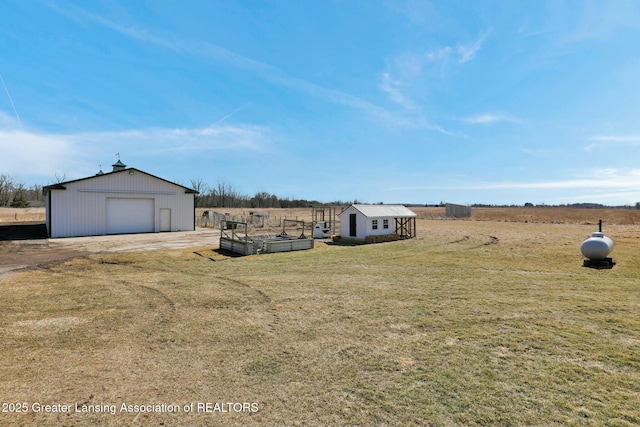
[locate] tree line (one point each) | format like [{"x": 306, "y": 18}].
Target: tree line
[
  {"x": 16, "y": 195},
  {"x": 225, "y": 195},
  {"x": 222, "y": 195}
]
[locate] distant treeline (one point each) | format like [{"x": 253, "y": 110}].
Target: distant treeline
[
  {"x": 542, "y": 205},
  {"x": 571, "y": 205},
  {"x": 224, "y": 195},
  {"x": 16, "y": 195}
]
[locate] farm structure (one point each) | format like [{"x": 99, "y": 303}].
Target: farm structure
[
  {"x": 234, "y": 237},
  {"x": 211, "y": 219},
  {"x": 324, "y": 220},
  {"x": 126, "y": 200},
  {"x": 377, "y": 223},
  {"x": 453, "y": 210},
  {"x": 215, "y": 219}
]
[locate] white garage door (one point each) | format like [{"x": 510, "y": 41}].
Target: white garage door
[{"x": 130, "y": 216}]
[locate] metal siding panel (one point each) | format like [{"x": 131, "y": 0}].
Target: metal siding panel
[
  {"x": 80, "y": 210},
  {"x": 457, "y": 211},
  {"x": 47, "y": 210},
  {"x": 288, "y": 245}
]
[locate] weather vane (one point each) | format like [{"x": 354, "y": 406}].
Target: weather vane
[{"x": 118, "y": 154}]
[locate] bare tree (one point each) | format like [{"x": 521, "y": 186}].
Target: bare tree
[
  {"x": 20, "y": 197},
  {"x": 201, "y": 187},
  {"x": 35, "y": 193},
  {"x": 58, "y": 178},
  {"x": 7, "y": 188},
  {"x": 261, "y": 200},
  {"x": 223, "y": 193}
]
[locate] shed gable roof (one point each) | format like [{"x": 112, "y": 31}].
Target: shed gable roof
[
  {"x": 62, "y": 185},
  {"x": 379, "y": 211}
]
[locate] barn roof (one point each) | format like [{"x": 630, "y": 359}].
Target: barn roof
[
  {"x": 62, "y": 185},
  {"x": 378, "y": 211}
]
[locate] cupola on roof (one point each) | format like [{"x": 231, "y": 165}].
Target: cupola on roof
[{"x": 118, "y": 166}]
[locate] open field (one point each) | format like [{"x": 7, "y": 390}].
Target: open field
[
  {"x": 542, "y": 215},
  {"x": 550, "y": 215},
  {"x": 18, "y": 215},
  {"x": 472, "y": 323}
]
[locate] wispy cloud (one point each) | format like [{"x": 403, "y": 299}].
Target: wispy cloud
[
  {"x": 536, "y": 152},
  {"x": 594, "y": 20},
  {"x": 616, "y": 138},
  {"x": 461, "y": 53},
  {"x": 45, "y": 154},
  {"x": 199, "y": 49},
  {"x": 605, "y": 179},
  {"x": 491, "y": 118},
  {"x": 231, "y": 114},
  {"x": 607, "y": 140},
  {"x": 165, "y": 140},
  {"x": 468, "y": 52},
  {"x": 439, "y": 55},
  {"x": 406, "y": 72},
  {"x": 267, "y": 72},
  {"x": 377, "y": 113},
  {"x": 11, "y": 101},
  {"x": 9, "y": 122},
  {"x": 392, "y": 87},
  {"x": 439, "y": 59},
  {"x": 525, "y": 30}
]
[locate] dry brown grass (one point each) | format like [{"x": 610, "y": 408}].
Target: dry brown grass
[
  {"x": 544, "y": 215},
  {"x": 548, "y": 215},
  {"x": 473, "y": 323},
  {"x": 554, "y": 215},
  {"x": 17, "y": 215}
]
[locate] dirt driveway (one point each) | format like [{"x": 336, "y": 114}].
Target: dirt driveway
[{"x": 29, "y": 253}]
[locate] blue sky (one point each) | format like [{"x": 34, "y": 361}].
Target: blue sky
[{"x": 380, "y": 101}]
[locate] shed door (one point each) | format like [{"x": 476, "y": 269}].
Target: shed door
[
  {"x": 165, "y": 219},
  {"x": 130, "y": 216},
  {"x": 352, "y": 225}
]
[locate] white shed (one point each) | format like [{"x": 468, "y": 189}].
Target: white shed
[
  {"x": 362, "y": 222},
  {"x": 126, "y": 200}
]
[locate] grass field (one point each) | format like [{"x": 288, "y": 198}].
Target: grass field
[
  {"x": 472, "y": 323},
  {"x": 538, "y": 215}
]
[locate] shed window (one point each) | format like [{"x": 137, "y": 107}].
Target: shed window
[
  {"x": 385, "y": 223},
  {"x": 374, "y": 224}
]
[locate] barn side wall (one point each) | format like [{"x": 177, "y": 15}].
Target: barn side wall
[{"x": 80, "y": 209}]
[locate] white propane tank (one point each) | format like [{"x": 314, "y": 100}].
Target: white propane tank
[{"x": 596, "y": 247}]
